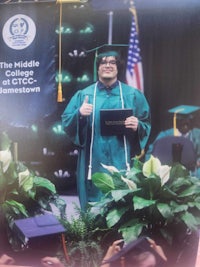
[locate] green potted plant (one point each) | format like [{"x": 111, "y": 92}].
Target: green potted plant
[
  {"x": 22, "y": 193},
  {"x": 161, "y": 202},
  {"x": 84, "y": 239}
]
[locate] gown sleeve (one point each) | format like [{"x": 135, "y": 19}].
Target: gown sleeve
[
  {"x": 73, "y": 123},
  {"x": 143, "y": 115}
]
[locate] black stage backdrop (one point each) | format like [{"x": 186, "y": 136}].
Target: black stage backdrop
[{"x": 170, "y": 41}]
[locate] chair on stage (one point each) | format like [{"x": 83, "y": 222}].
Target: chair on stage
[{"x": 173, "y": 149}]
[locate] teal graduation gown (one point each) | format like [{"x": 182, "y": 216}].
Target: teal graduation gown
[{"x": 108, "y": 150}]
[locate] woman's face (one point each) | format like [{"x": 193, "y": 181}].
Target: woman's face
[
  {"x": 145, "y": 259},
  {"x": 150, "y": 261}
]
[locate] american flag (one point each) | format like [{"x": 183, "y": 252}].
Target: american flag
[{"x": 134, "y": 72}]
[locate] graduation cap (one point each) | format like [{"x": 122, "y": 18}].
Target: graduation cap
[
  {"x": 106, "y": 50},
  {"x": 135, "y": 252},
  {"x": 183, "y": 112},
  {"x": 41, "y": 236},
  {"x": 109, "y": 53},
  {"x": 39, "y": 227}
]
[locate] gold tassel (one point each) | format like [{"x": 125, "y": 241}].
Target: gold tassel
[
  {"x": 175, "y": 121},
  {"x": 174, "y": 125},
  {"x": 59, "y": 95},
  {"x": 141, "y": 155}
]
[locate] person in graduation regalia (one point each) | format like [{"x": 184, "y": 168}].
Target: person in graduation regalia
[
  {"x": 142, "y": 252},
  {"x": 81, "y": 122},
  {"x": 186, "y": 119}
]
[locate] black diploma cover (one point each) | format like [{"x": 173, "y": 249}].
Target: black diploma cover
[{"x": 112, "y": 121}]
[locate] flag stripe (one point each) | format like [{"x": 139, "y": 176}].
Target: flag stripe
[{"x": 134, "y": 71}]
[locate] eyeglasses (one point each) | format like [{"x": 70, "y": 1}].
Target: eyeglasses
[{"x": 111, "y": 62}]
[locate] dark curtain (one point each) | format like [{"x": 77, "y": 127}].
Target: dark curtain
[{"x": 170, "y": 44}]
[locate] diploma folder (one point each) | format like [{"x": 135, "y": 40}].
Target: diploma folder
[{"x": 112, "y": 121}]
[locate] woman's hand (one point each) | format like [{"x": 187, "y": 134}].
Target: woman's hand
[
  {"x": 7, "y": 260},
  {"x": 112, "y": 250}
]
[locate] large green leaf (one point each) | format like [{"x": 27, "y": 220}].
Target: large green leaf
[
  {"x": 133, "y": 173},
  {"x": 190, "y": 221},
  {"x": 60, "y": 204},
  {"x": 165, "y": 210},
  {"x": 26, "y": 180},
  {"x": 197, "y": 218},
  {"x": 31, "y": 193},
  {"x": 193, "y": 204},
  {"x": 120, "y": 194},
  {"x": 166, "y": 194},
  {"x": 115, "y": 215},
  {"x": 190, "y": 191},
  {"x": 151, "y": 186},
  {"x": 141, "y": 203},
  {"x": 179, "y": 183},
  {"x": 43, "y": 182},
  {"x": 118, "y": 182},
  {"x": 137, "y": 165},
  {"x": 177, "y": 207},
  {"x": 17, "y": 208},
  {"x": 101, "y": 205},
  {"x": 131, "y": 232},
  {"x": 195, "y": 180},
  {"x": 103, "y": 181},
  {"x": 177, "y": 171}
]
